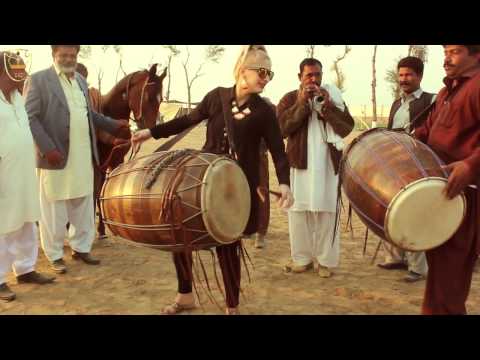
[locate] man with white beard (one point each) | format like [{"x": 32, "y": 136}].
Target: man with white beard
[{"x": 63, "y": 123}]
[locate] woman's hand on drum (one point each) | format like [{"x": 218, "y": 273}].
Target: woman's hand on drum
[
  {"x": 286, "y": 201},
  {"x": 461, "y": 176},
  {"x": 140, "y": 136}
]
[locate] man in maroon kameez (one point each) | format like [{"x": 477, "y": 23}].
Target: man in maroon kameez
[{"x": 452, "y": 130}]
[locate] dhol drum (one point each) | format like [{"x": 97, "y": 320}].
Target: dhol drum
[
  {"x": 176, "y": 200},
  {"x": 394, "y": 183}
]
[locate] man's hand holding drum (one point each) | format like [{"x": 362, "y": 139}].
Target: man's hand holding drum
[{"x": 461, "y": 176}]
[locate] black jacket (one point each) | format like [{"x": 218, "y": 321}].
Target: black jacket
[{"x": 246, "y": 134}]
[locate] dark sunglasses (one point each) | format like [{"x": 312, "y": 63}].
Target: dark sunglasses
[{"x": 263, "y": 73}]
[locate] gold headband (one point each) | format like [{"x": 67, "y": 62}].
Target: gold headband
[{"x": 14, "y": 66}]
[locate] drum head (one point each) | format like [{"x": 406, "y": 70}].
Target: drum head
[
  {"x": 225, "y": 201},
  {"x": 420, "y": 217}
]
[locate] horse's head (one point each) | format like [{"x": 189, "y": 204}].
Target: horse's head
[{"x": 144, "y": 95}]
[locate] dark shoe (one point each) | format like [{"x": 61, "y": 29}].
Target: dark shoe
[
  {"x": 35, "y": 278},
  {"x": 412, "y": 277},
  {"x": 59, "y": 266},
  {"x": 393, "y": 266},
  {"x": 85, "y": 257},
  {"x": 6, "y": 294}
]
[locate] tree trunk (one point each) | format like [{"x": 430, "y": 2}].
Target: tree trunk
[
  {"x": 374, "y": 85},
  {"x": 100, "y": 82},
  {"x": 187, "y": 78},
  {"x": 189, "y": 99},
  {"x": 169, "y": 77},
  {"x": 189, "y": 86}
]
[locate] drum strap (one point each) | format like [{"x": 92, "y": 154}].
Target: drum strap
[
  {"x": 227, "y": 111},
  {"x": 423, "y": 115},
  {"x": 170, "y": 143}
]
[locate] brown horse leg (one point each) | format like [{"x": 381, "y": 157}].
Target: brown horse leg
[{"x": 99, "y": 178}]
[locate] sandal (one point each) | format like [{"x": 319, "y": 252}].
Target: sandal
[
  {"x": 232, "y": 311},
  {"x": 294, "y": 268},
  {"x": 324, "y": 272},
  {"x": 177, "y": 308}
]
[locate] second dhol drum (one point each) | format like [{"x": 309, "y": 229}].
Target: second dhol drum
[{"x": 395, "y": 183}]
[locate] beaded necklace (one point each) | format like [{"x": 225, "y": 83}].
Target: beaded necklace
[{"x": 239, "y": 114}]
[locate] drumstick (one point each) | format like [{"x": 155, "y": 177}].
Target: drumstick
[
  {"x": 276, "y": 193},
  {"x": 262, "y": 189}
]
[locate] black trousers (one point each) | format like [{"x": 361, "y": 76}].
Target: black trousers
[{"x": 229, "y": 260}]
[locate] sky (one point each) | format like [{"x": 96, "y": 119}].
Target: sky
[{"x": 357, "y": 68}]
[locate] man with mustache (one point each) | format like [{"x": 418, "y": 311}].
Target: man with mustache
[
  {"x": 18, "y": 186},
  {"x": 452, "y": 130},
  {"x": 63, "y": 123},
  {"x": 314, "y": 119},
  {"x": 409, "y": 107}
]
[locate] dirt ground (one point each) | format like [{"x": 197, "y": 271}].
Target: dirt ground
[{"x": 135, "y": 280}]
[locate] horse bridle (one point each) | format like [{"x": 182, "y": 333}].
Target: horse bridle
[
  {"x": 104, "y": 166},
  {"x": 140, "y": 115}
]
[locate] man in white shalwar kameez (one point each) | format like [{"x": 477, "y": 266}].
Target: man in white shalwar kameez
[
  {"x": 315, "y": 120},
  {"x": 63, "y": 126},
  {"x": 19, "y": 206}
]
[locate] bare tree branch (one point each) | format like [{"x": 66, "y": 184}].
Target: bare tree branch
[
  {"x": 118, "y": 50},
  {"x": 311, "y": 51},
  {"x": 213, "y": 53},
  {"x": 340, "y": 76},
  {"x": 174, "y": 52},
  {"x": 85, "y": 52},
  {"x": 420, "y": 51}
]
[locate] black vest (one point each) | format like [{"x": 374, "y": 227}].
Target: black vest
[{"x": 416, "y": 107}]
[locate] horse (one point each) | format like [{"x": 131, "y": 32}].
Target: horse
[{"x": 139, "y": 93}]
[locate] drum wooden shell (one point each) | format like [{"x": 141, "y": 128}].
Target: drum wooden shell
[
  {"x": 211, "y": 205},
  {"x": 379, "y": 169}
]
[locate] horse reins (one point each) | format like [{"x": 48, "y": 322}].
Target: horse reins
[{"x": 134, "y": 153}]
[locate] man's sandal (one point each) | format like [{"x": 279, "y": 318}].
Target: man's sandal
[{"x": 177, "y": 308}]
